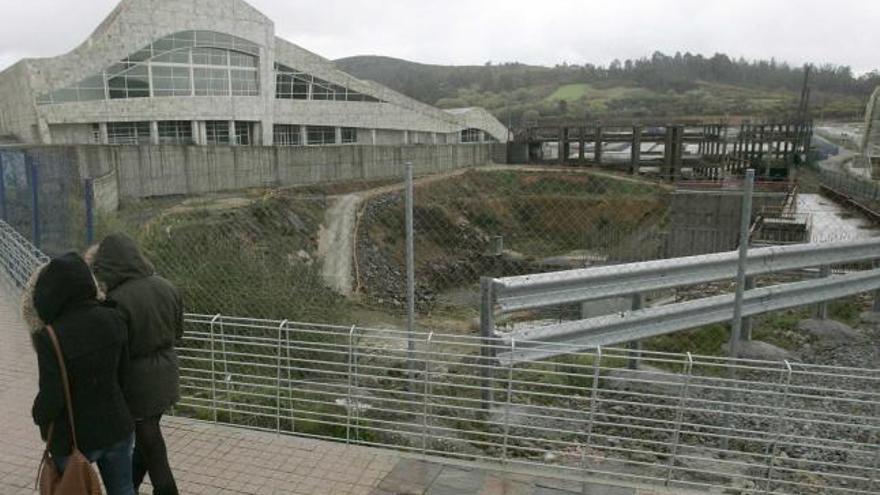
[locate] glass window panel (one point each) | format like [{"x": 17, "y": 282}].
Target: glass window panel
[
  {"x": 243, "y": 132},
  {"x": 140, "y": 56},
  {"x": 91, "y": 94},
  {"x": 321, "y": 135},
  {"x": 287, "y": 135},
  {"x": 217, "y": 132},
  {"x": 242, "y": 60},
  {"x": 163, "y": 45},
  {"x": 222, "y": 40},
  {"x": 175, "y": 132},
  {"x": 204, "y": 38},
  {"x": 349, "y": 135}
]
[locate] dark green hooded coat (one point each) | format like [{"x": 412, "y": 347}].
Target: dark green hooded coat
[{"x": 153, "y": 311}]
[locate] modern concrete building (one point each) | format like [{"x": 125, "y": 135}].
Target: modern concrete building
[{"x": 212, "y": 72}]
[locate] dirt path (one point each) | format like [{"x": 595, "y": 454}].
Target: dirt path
[{"x": 337, "y": 238}]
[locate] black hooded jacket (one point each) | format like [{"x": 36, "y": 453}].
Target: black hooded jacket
[
  {"x": 153, "y": 312},
  {"x": 93, "y": 343}
]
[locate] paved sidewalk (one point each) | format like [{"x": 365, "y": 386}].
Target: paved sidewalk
[{"x": 211, "y": 459}]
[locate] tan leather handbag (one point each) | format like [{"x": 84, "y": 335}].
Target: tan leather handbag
[{"x": 79, "y": 477}]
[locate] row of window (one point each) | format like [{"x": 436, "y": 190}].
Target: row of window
[
  {"x": 291, "y": 84},
  {"x": 177, "y": 132},
  {"x": 197, "y": 63},
  {"x": 295, "y": 135},
  {"x": 218, "y": 132}
]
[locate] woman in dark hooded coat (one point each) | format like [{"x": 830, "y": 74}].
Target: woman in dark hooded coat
[
  {"x": 93, "y": 343},
  {"x": 153, "y": 312}
]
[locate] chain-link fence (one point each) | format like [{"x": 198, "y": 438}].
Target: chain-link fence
[
  {"x": 337, "y": 252},
  {"x": 44, "y": 198}
]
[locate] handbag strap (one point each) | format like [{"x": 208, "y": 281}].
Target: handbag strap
[{"x": 66, "y": 382}]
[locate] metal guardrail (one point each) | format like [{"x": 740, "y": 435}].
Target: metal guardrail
[
  {"x": 512, "y": 294},
  {"x": 680, "y": 421},
  {"x": 549, "y": 289}
]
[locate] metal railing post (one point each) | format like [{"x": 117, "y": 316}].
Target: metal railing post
[
  {"x": 822, "y": 308},
  {"x": 774, "y": 446},
  {"x": 635, "y": 353},
  {"x": 410, "y": 274},
  {"x": 214, "y": 369},
  {"x": 34, "y": 182},
  {"x": 509, "y": 400},
  {"x": 427, "y": 392},
  {"x": 594, "y": 398},
  {"x": 679, "y": 416},
  {"x": 745, "y": 228},
  {"x": 281, "y": 329},
  {"x": 487, "y": 343},
  {"x": 290, "y": 385},
  {"x": 350, "y": 400}
]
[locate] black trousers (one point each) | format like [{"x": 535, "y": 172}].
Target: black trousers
[{"x": 151, "y": 457}]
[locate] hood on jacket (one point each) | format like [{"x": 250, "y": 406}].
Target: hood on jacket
[
  {"x": 119, "y": 260},
  {"x": 66, "y": 282}
]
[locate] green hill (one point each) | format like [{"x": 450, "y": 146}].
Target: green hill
[{"x": 684, "y": 85}]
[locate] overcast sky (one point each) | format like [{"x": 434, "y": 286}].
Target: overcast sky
[{"x": 543, "y": 32}]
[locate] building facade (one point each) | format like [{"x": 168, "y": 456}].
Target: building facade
[{"x": 212, "y": 72}]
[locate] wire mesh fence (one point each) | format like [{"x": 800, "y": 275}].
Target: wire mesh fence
[{"x": 680, "y": 420}]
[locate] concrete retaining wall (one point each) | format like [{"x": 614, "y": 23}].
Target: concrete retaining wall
[{"x": 139, "y": 172}]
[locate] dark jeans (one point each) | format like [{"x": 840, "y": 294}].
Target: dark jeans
[
  {"x": 114, "y": 464},
  {"x": 151, "y": 457}
]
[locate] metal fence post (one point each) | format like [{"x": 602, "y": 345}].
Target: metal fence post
[
  {"x": 594, "y": 397},
  {"x": 281, "y": 329},
  {"x": 410, "y": 273},
  {"x": 822, "y": 308},
  {"x": 427, "y": 392},
  {"x": 679, "y": 416},
  {"x": 89, "y": 193},
  {"x": 214, "y": 369},
  {"x": 34, "y": 183},
  {"x": 487, "y": 342},
  {"x": 773, "y": 448},
  {"x": 509, "y": 400},
  {"x": 635, "y": 353},
  {"x": 745, "y": 228},
  {"x": 748, "y": 322},
  {"x": 350, "y": 402}
]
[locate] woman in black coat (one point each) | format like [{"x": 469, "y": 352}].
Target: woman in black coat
[
  {"x": 93, "y": 342},
  {"x": 153, "y": 313}
]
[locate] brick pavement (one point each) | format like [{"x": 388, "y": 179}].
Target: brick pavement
[{"x": 212, "y": 459}]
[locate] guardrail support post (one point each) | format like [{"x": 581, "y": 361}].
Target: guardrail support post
[
  {"x": 745, "y": 227},
  {"x": 822, "y": 308},
  {"x": 487, "y": 343},
  {"x": 748, "y": 322},
  {"x": 635, "y": 352}
]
